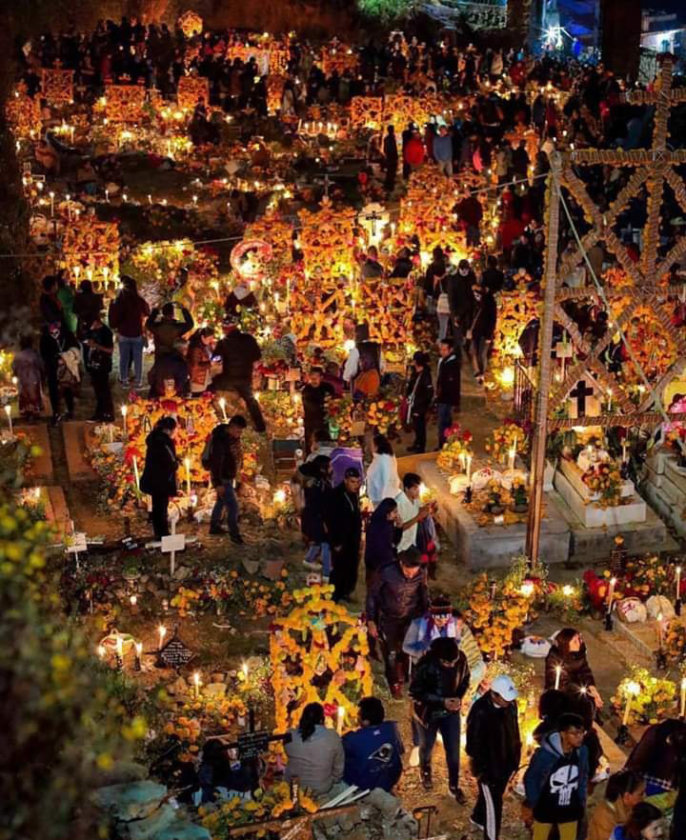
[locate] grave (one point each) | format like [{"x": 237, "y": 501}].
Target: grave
[
  {"x": 664, "y": 484},
  {"x": 491, "y": 546},
  {"x": 75, "y": 448}
]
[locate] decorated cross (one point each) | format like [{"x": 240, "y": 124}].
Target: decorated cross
[{"x": 583, "y": 402}]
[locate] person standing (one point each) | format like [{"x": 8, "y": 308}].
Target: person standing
[
  {"x": 494, "y": 746},
  {"x": 225, "y": 461},
  {"x": 420, "y": 392},
  {"x": 343, "y": 523},
  {"x": 159, "y": 474},
  {"x": 410, "y": 510},
  {"x": 390, "y": 154},
  {"x": 382, "y": 474},
  {"x": 448, "y": 387},
  {"x": 98, "y": 350},
  {"x": 439, "y": 683},
  {"x": 61, "y": 355},
  {"x": 29, "y": 369},
  {"x": 316, "y": 476},
  {"x": 443, "y": 151},
  {"x": 381, "y": 539},
  {"x": 66, "y": 295},
  {"x": 556, "y": 780},
  {"x": 87, "y": 306},
  {"x": 481, "y": 331},
  {"x": 166, "y": 330},
  {"x": 126, "y": 315},
  {"x": 239, "y": 351},
  {"x": 398, "y": 594},
  {"x": 199, "y": 360},
  {"x": 314, "y": 396}
]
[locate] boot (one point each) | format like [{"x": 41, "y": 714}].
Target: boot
[{"x": 427, "y": 783}]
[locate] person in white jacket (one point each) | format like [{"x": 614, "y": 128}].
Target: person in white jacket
[{"x": 382, "y": 475}]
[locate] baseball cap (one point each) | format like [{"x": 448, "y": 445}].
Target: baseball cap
[{"x": 504, "y": 686}]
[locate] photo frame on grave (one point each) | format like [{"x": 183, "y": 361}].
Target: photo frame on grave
[{"x": 175, "y": 653}]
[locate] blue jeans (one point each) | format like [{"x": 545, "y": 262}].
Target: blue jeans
[
  {"x": 449, "y": 727},
  {"x": 131, "y": 350},
  {"x": 325, "y": 549},
  {"x": 445, "y": 421},
  {"x": 230, "y": 502}
]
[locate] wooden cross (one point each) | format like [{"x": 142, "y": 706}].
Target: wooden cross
[{"x": 580, "y": 393}]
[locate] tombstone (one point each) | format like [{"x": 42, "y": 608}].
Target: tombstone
[{"x": 174, "y": 654}]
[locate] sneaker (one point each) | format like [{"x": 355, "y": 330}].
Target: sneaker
[
  {"x": 459, "y": 796},
  {"x": 237, "y": 539},
  {"x": 414, "y": 757},
  {"x": 215, "y": 530},
  {"x": 427, "y": 782},
  {"x": 313, "y": 567}
]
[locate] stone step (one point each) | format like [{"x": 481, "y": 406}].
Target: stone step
[
  {"x": 56, "y": 509},
  {"x": 183, "y": 830},
  {"x": 131, "y": 800}
]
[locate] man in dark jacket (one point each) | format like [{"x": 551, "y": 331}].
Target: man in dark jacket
[
  {"x": 373, "y": 752},
  {"x": 556, "y": 781},
  {"x": 343, "y": 523},
  {"x": 447, "y": 387},
  {"x": 159, "y": 474},
  {"x": 390, "y": 154},
  {"x": 397, "y": 596},
  {"x": 439, "y": 683},
  {"x": 126, "y": 316},
  {"x": 166, "y": 329},
  {"x": 98, "y": 349},
  {"x": 481, "y": 330},
  {"x": 314, "y": 396},
  {"x": 461, "y": 301},
  {"x": 225, "y": 462},
  {"x": 495, "y": 747},
  {"x": 420, "y": 395},
  {"x": 239, "y": 351},
  {"x": 492, "y": 278},
  {"x": 87, "y": 307}
]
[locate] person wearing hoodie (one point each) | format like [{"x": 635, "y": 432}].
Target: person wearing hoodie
[
  {"x": 494, "y": 746},
  {"x": 373, "y": 753},
  {"x": 556, "y": 781}
]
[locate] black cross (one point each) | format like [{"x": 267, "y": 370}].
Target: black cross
[{"x": 580, "y": 393}]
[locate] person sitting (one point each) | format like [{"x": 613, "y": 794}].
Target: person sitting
[
  {"x": 645, "y": 823},
  {"x": 315, "y": 753},
  {"x": 656, "y": 757},
  {"x": 373, "y": 752},
  {"x": 220, "y": 776},
  {"x": 624, "y": 790}
]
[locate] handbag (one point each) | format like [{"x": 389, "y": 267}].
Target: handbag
[{"x": 443, "y": 303}]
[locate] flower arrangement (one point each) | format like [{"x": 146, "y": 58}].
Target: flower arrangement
[
  {"x": 506, "y": 439},
  {"x": 319, "y": 654},
  {"x": 495, "y": 616},
  {"x": 227, "y": 590},
  {"x": 675, "y": 641},
  {"x": 654, "y": 700},
  {"x": 282, "y": 412},
  {"x": 383, "y": 413},
  {"x": 199, "y": 717},
  {"x": 605, "y": 482},
  {"x": 266, "y": 804},
  {"x": 520, "y": 496},
  {"x": 455, "y": 450}
]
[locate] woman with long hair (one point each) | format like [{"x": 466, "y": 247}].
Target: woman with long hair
[
  {"x": 199, "y": 360},
  {"x": 383, "y": 481},
  {"x": 315, "y": 753},
  {"x": 383, "y": 536},
  {"x": 645, "y": 823}
]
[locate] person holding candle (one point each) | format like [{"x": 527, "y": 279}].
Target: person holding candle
[
  {"x": 159, "y": 474},
  {"x": 373, "y": 752},
  {"x": 126, "y": 315},
  {"x": 556, "y": 780},
  {"x": 315, "y": 753},
  {"x": 568, "y": 652},
  {"x": 448, "y": 387},
  {"x": 624, "y": 790},
  {"x": 223, "y": 457}
]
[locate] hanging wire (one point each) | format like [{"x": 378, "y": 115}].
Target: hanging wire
[{"x": 601, "y": 293}]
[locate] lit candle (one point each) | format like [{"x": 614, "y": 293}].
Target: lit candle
[
  {"x": 101, "y": 651},
  {"x": 162, "y": 632},
  {"x": 463, "y": 461},
  {"x": 139, "y": 651},
  {"x": 558, "y": 674},
  {"x": 8, "y": 412},
  {"x": 610, "y": 594},
  {"x": 136, "y": 475},
  {"x": 124, "y": 412},
  {"x": 609, "y": 399},
  {"x": 133, "y": 600},
  {"x": 52, "y": 203},
  {"x": 624, "y": 448},
  {"x": 633, "y": 689},
  {"x": 187, "y": 465},
  {"x": 120, "y": 652},
  {"x": 245, "y": 670},
  {"x": 341, "y": 717},
  {"x": 469, "y": 467},
  {"x": 196, "y": 683},
  {"x": 659, "y": 631},
  {"x": 195, "y": 200},
  {"x": 513, "y": 455},
  {"x": 678, "y": 583},
  {"x": 682, "y": 704},
  {"x": 222, "y": 405},
  {"x": 149, "y": 199}
]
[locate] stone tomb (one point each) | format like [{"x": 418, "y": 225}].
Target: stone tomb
[
  {"x": 665, "y": 488},
  {"x": 492, "y": 546}
]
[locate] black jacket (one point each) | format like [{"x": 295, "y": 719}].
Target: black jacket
[
  {"x": 461, "y": 298},
  {"x": 313, "y": 404},
  {"x": 343, "y": 518},
  {"x": 167, "y": 367},
  {"x": 52, "y": 348},
  {"x": 87, "y": 306},
  {"x": 493, "y": 741},
  {"x": 448, "y": 380},
  {"x": 168, "y": 333},
  {"x": 575, "y": 671},
  {"x": 394, "y": 597},
  {"x": 238, "y": 351},
  {"x": 422, "y": 396},
  {"x": 493, "y": 279},
  {"x": 159, "y": 473},
  {"x": 484, "y": 318},
  {"x": 432, "y": 683},
  {"x": 226, "y": 456}
]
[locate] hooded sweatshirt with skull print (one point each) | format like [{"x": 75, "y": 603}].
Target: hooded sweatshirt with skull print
[{"x": 556, "y": 782}]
